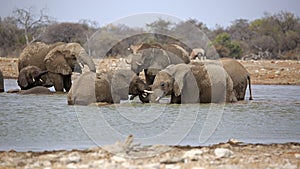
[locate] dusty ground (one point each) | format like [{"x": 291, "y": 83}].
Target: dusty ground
[
  {"x": 224, "y": 155},
  {"x": 285, "y": 72}
]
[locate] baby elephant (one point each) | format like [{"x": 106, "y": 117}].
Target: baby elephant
[
  {"x": 110, "y": 87},
  {"x": 30, "y": 77}
]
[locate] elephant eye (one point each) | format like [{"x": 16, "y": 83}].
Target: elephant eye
[{"x": 162, "y": 84}]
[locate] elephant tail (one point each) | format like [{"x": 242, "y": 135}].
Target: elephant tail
[{"x": 250, "y": 90}]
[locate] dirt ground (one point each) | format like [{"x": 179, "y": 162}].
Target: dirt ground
[
  {"x": 271, "y": 72},
  {"x": 223, "y": 155},
  {"x": 274, "y": 72}
]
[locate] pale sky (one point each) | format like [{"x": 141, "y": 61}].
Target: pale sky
[{"x": 210, "y": 12}]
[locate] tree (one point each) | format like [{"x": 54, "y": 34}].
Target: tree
[
  {"x": 30, "y": 22},
  {"x": 280, "y": 29},
  {"x": 66, "y": 32},
  {"x": 11, "y": 38},
  {"x": 160, "y": 26},
  {"x": 225, "y": 47}
]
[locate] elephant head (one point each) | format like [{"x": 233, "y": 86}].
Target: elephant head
[
  {"x": 30, "y": 77},
  {"x": 124, "y": 82},
  {"x": 1, "y": 82},
  {"x": 65, "y": 58},
  {"x": 177, "y": 81}
]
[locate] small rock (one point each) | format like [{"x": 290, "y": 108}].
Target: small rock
[
  {"x": 223, "y": 153},
  {"x": 277, "y": 72},
  {"x": 113, "y": 64},
  {"x": 234, "y": 141},
  {"x": 118, "y": 159},
  {"x": 71, "y": 166},
  {"x": 172, "y": 166},
  {"x": 73, "y": 157},
  {"x": 297, "y": 155},
  {"x": 192, "y": 154},
  {"x": 171, "y": 160}
]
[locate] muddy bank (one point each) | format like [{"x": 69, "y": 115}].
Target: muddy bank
[
  {"x": 270, "y": 72},
  {"x": 224, "y": 155}
]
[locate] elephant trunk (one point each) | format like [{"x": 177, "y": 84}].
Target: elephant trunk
[
  {"x": 84, "y": 58},
  {"x": 38, "y": 76}
]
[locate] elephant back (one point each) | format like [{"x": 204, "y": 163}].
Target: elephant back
[
  {"x": 178, "y": 52},
  {"x": 34, "y": 54},
  {"x": 83, "y": 90},
  {"x": 236, "y": 71}
]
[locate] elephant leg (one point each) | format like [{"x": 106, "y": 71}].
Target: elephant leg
[
  {"x": 57, "y": 81},
  {"x": 67, "y": 82},
  {"x": 175, "y": 99}
]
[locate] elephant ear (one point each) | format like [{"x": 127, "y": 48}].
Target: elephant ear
[
  {"x": 56, "y": 63},
  {"x": 22, "y": 81},
  {"x": 178, "y": 72}
]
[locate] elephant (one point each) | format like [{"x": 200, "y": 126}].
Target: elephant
[
  {"x": 198, "y": 52},
  {"x": 59, "y": 59},
  {"x": 193, "y": 83},
  {"x": 110, "y": 87},
  {"x": 154, "y": 57},
  {"x": 240, "y": 77},
  {"x": 30, "y": 77},
  {"x": 1, "y": 82}
]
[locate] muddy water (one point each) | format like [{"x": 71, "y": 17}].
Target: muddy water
[{"x": 46, "y": 122}]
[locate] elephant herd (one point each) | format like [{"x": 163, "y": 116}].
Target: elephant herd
[{"x": 169, "y": 70}]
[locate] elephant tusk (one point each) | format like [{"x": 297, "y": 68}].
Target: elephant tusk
[
  {"x": 138, "y": 63},
  {"x": 157, "y": 99},
  {"x": 148, "y": 91},
  {"x": 81, "y": 65},
  {"x": 41, "y": 80},
  {"x": 33, "y": 79},
  {"x": 128, "y": 62},
  {"x": 144, "y": 95}
]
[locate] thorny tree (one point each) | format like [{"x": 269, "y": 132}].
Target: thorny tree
[{"x": 33, "y": 25}]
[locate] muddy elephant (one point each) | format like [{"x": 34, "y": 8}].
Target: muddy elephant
[
  {"x": 1, "y": 82},
  {"x": 30, "y": 77},
  {"x": 240, "y": 77},
  {"x": 193, "y": 83},
  {"x": 59, "y": 59},
  {"x": 34, "y": 90},
  {"x": 110, "y": 87},
  {"x": 154, "y": 57}
]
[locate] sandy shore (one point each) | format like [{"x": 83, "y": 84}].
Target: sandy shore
[
  {"x": 283, "y": 72},
  {"x": 224, "y": 155}
]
